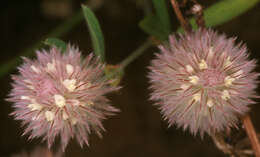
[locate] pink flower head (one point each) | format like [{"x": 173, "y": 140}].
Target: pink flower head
[
  {"x": 61, "y": 94},
  {"x": 203, "y": 81}
]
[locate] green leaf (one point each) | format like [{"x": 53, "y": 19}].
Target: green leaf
[
  {"x": 152, "y": 26},
  {"x": 95, "y": 32},
  {"x": 162, "y": 14},
  {"x": 56, "y": 42},
  {"x": 157, "y": 25},
  {"x": 224, "y": 11}
]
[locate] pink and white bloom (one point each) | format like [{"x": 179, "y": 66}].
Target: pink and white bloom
[
  {"x": 203, "y": 81},
  {"x": 61, "y": 95}
]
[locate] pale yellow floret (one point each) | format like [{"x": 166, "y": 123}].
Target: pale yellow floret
[
  {"x": 211, "y": 52},
  {"x": 59, "y": 100},
  {"x": 194, "y": 79},
  {"x": 184, "y": 86},
  {"x": 69, "y": 69},
  {"x": 225, "y": 95},
  {"x": 189, "y": 68},
  {"x": 74, "y": 121},
  {"x": 35, "y": 69},
  {"x": 196, "y": 97},
  {"x": 88, "y": 85},
  {"x": 89, "y": 103},
  {"x": 35, "y": 107},
  {"x": 70, "y": 84},
  {"x": 65, "y": 116},
  {"x": 51, "y": 67},
  {"x": 227, "y": 62},
  {"x": 25, "y": 98},
  {"x": 203, "y": 65},
  {"x": 210, "y": 103},
  {"x": 228, "y": 81},
  {"x": 49, "y": 115}
]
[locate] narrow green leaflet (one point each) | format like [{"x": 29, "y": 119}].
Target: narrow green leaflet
[
  {"x": 157, "y": 25},
  {"x": 150, "y": 25},
  {"x": 224, "y": 11},
  {"x": 162, "y": 13},
  {"x": 56, "y": 42},
  {"x": 217, "y": 14},
  {"x": 95, "y": 32}
]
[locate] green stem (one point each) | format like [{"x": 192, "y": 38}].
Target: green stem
[
  {"x": 219, "y": 13},
  {"x": 135, "y": 54},
  {"x": 118, "y": 72}
]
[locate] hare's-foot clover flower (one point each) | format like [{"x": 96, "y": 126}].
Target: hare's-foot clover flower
[
  {"x": 61, "y": 94},
  {"x": 203, "y": 81}
]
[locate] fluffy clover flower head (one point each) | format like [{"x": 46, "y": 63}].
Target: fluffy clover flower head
[
  {"x": 203, "y": 81},
  {"x": 61, "y": 94}
]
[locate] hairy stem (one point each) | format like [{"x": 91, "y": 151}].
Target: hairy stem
[
  {"x": 221, "y": 144},
  {"x": 228, "y": 9},
  {"x": 123, "y": 64},
  {"x": 250, "y": 130},
  {"x": 135, "y": 54},
  {"x": 183, "y": 21}
]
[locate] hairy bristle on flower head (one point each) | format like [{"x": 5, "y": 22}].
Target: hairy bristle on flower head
[
  {"x": 61, "y": 94},
  {"x": 203, "y": 81}
]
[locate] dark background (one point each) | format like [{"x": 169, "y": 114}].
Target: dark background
[{"x": 138, "y": 130}]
